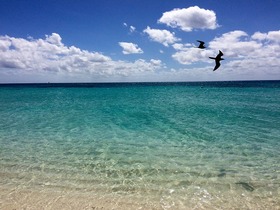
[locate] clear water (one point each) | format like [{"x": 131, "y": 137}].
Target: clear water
[{"x": 175, "y": 145}]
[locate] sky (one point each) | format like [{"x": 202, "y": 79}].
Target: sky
[{"x": 138, "y": 40}]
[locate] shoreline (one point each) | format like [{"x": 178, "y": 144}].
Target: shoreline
[
  {"x": 35, "y": 199},
  {"x": 50, "y": 198}
]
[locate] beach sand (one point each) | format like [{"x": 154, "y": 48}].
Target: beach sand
[
  {"x": 16, "y": 199},
  {"x": 49, "y": 199}
]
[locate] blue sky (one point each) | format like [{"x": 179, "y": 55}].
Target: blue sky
[{"x": 138, "y": 40}]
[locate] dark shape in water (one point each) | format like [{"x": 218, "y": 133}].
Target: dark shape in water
[
  {"x": 246, "y": 186},
  {"x": 217, "y": 59},
  {"x": 201, "y": 45},
  {"x": 222, "y": 173}
]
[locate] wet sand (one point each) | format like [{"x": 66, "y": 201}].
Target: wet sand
[
  {"x": 33, "y": 199},
  {"x": 48, "y": 199}
]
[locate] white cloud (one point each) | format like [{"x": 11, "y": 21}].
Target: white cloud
[
  {"x": 251, "y": 55},
  {"x": 235, "y": 44},
  {"x": 190, "y": 18},
  {"x": 50, "y": 55},
  {"x": 156, "y": 62},
  {"x": 259, "y": 36},
  {"x": 270, "y": 36},
  {"x": 45, "y": 54},
  {"x": 130, "y": 48},
  {"x": 188, "y": 54},
  {"x": 246, "y": 57},
  {"x": 180, "y": 46},
  {"x": 164, "y": 37},
  {"x": 54, "y": 39},
  {"x": 132, "y": 29},
  {"x": 255, "y": 56},
  {"x": 191, "y": 55}
]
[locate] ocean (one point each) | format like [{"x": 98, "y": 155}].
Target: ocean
[{"x": 196, "y": 145}]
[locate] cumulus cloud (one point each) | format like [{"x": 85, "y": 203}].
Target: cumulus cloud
[
  {"x": 180, "y": 46},
  {"x": 51, "y": 55},
  {"x": 256, "y": 54},
  {"x": 45, "y": 54},
  {"x": 156, "y": 62},
  {"x": 189, "y": 53},
  {"x": 247, "y": 56},
  {"x": 235, "y": 44},
  {"x": 130, "y": 48},
  {"x": 259, "y": 36},
  {"x": 164, "y": 37},
  {"x": 190, "y": 18},
  {"x": 192, "y": 55},
  {"x": 244, "y": 55},
  {"x": 54, "y": 39},
  {"x": 270, "y": 36}
]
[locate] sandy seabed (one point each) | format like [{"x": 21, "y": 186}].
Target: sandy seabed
[{"x": 52, "y": 199}]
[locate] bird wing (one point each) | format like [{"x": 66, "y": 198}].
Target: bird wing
[
  {"x": 217, "y": 65},
  {"x": 219, "y": 56}
]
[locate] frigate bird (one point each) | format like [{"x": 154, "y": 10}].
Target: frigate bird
[
  {"x": 201, "y": 44},
  {"x": 217, "y": 59}
]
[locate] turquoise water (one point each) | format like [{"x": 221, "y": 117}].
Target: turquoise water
[{"x": 173, "y": 144}]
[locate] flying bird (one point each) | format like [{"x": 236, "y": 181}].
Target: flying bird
[
  {"x": 201, "y": 44},
  {"x": 217, "y": 60}
]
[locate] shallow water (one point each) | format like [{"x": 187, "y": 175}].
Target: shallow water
[{"x": 175, "y": 146}]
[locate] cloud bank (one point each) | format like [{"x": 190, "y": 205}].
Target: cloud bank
[
  {"x": 244, "y": 54},
  {"x": 51, "y": 55}
]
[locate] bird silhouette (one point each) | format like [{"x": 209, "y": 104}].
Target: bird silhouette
[
  {"x": 217, "y": 59},
  {"x": 201, "y": 44}
]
